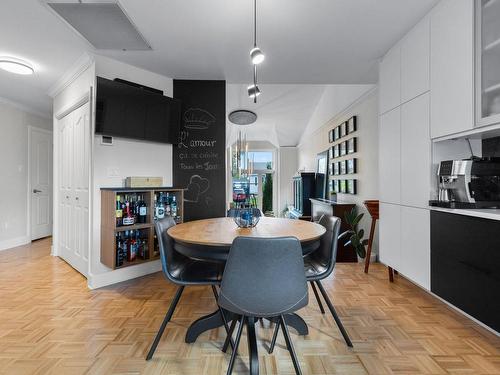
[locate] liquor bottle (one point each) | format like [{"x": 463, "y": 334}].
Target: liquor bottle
[
  {"x": 167, "y": 205},
  {"x": 132, "y": 248},
  {"x": 119, "y": 258},
  {"x": 119, "y": 212},
  {"x": 173, "y": 207},
  {"x": 128, "y": 216},
  {"x": 160, "y": 208},
  {"x": 139, "y": 245},
  {"x": 143, "y": 211},
  {"x": 125, "y": 244},
  {"x": 136, "y": 208}
]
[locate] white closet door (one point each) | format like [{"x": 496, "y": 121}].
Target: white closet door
[{"x": 74, "y": 190}]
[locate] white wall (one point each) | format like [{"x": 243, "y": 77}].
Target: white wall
[
  {"x": 112, "y": 164},
  {"x": 14, "y": 123},
  {"x": 366, "y": 110}
]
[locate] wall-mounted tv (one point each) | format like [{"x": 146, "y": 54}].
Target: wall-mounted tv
[{"x": 123, "y": 110}]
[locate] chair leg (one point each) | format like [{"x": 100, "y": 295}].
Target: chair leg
[
  {"x": 229, "y": 335},
  {"x": 275, "y": 335},
  {"x": 391, "y": 274},
  {"x": 370, "y": 244},
  {"x": 334, "y": 314},
  {"x": 252, "y": 346},
  {"x": 236, "y": 344},
  {"x": 317, "y": 297},
  {"x": 169, "y": 314},
  {"x": 223, "y": 316},
  {"x": 289, "y": 345}
]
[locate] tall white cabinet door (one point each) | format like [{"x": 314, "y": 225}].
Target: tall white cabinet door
[
  {"x": 415, "y": 245},
  {"x": 390, "y": 80},
  {"x": 74, "y": 163},
  {"x": 415, "y": 152},
  {"x": 390, "y": 235},
  {"x": 452, "y": 67},
  {"x": 415, "y": 60},
  {"x": 389, "y": 157}
]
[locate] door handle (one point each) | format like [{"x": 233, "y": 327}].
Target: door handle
[{"x": 36, "y": 191}]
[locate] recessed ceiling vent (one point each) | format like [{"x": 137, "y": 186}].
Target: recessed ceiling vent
[{"x": 105, "y": 25}]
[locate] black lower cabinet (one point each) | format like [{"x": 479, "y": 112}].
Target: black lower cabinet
[{"x": 465, "y": 264}]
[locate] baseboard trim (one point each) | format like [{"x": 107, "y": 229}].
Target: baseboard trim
[
  {"x": 124, "y": 274},
  {"x": 14, "y": 242}
]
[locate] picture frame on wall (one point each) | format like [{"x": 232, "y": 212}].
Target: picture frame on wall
[
  {"x": 343, "y": 148},
  {"x": 336, "y": 151},
  {"x": 351, "y": 166},
  {"x": 335, "y": 186},
  {"x": 351, "y": 187},
  {"x": 343, "y": 129},
  {"x": 343, "y": 167},
  {"x": 336, "y": 133},
  {"x": 343, "y": 186},
  {"x": 351, "y": 125},
  {"x": 336, "y": 168},
  {"x": 330, "y": 136},
  {"x": 351, "y": 145}
]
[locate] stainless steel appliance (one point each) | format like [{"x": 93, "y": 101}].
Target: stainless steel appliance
[{"x": 471, "y": 183}]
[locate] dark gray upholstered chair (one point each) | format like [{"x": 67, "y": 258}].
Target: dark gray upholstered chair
[
  {"x": 320, "y": 263},
  {"x": 182, "y": 271},
  {"x": 263, "y": 278},
  {"x": 232, "y": 212}
]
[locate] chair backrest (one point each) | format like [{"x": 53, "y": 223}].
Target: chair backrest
[
  {"x": 264, "y": 277},
  {"x": 233, "y": 212},
  {"x": 166, "y": 245},
  {"x": 326, "y": 254}
]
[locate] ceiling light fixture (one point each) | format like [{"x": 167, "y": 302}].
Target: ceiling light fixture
[
  {"x": 256, "y": 56},
  {"x": 17, "y": 66}
]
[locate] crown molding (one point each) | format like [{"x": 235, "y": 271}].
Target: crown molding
[
  {"x": 80, "y": 65},
  {"x": 25, "y": 108}
]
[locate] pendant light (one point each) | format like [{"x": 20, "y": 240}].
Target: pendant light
[{"x": 256, "y": 56}]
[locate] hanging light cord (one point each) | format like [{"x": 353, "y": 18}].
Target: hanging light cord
[{"x": 255, "y": 23}]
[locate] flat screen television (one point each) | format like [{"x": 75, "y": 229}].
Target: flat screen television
[{"x": 123, "y": 110}]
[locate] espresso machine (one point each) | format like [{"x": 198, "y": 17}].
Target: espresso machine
[{"x": 470, "y": 183}]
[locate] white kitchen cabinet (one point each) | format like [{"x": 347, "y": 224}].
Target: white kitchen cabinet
[
  {"x": 415, "y": 152},
  {"x": 452, "y": 67},
  {"x": 415, "y": 60},
  {"x": 390, "y": 235},
  {"x": 390, "y": 157},
  {"x": 390, "y": 80},
  {"x": 415, "y": 262}
]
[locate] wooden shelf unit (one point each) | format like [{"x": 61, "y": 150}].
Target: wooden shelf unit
[{"x": 109, "y": 228}]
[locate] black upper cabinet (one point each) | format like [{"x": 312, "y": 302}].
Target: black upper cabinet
[{"x": 126, "y": 111}]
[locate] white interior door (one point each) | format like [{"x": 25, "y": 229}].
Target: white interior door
[
  {"x": 41, "y": 183},
  {"x": 74, "y": 160}
]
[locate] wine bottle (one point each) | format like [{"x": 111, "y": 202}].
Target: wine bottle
[
  {"x": 143, "y": 211},
  {"x": 173, "y": 207},
  {"x": 132, "y": 248},
  {"x": 128, "y": 216},
  {"x": 119, "y": 212},
  {"x": 160, "y": 208}
]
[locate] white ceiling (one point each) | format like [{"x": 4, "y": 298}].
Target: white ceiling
[{"x": 306, "y": 42}]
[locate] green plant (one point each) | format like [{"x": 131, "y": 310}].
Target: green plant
[
  {"x": 267, "y": 193},
  {"x": 356, "y": 239}
]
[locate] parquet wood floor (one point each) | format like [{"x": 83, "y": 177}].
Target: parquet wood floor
[{"x": 50, "y": 323}]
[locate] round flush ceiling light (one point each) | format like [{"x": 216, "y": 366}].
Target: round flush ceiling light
[
  {"x": 242, "y": 117},
  {"x": 17, "y": 66}
]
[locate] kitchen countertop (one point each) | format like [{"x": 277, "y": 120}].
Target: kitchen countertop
[{"x": 485, "y": 213}]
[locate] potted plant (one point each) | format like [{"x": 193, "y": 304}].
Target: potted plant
[{"x": 356, "y": 239}]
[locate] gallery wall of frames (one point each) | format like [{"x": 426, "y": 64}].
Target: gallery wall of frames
[{"x": 342, "y": 163}]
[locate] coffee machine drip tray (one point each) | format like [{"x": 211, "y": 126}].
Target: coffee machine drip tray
[{"x": 450, "y": 204}]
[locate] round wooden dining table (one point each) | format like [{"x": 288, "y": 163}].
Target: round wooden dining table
[{"x": 211, "y": 239}]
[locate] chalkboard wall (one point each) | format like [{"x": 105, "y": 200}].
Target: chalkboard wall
[{"x": 199, "y": 158}]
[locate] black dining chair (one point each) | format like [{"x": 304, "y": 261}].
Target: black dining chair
[
  {"x": 320, "y": 264},
  {"x": 233, "y": 212},
  {"x": 183, "y": 271},
  {"x": 263, "y": 278}
]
